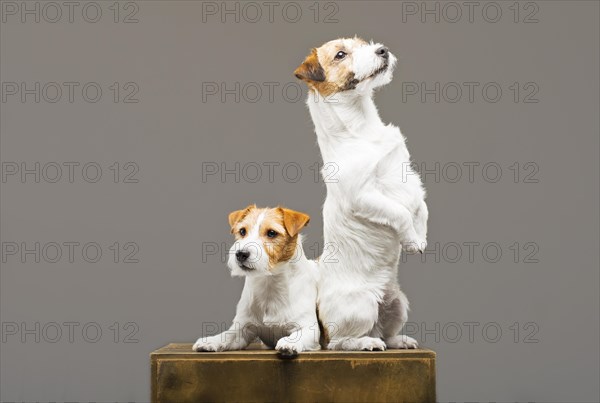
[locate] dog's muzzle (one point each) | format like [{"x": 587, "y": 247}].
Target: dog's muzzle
[
  {"x": 383, "y": 52},
  {"x": 241, "y": 256}
]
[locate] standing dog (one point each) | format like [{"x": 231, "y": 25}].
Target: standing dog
[
  {"x": 375, "y": 205},
  {"x": 278, "y": 303}
]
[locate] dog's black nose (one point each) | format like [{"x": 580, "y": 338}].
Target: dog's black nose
[
  {"x": 383, "y": 52},
  {"x": 242, "y": 255}
]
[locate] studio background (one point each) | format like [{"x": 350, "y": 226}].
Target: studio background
[{"x": 533, "y": 310}]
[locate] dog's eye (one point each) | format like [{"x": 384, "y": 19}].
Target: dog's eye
[
  {"x": 271, "y": 233},
  {"x": 243, "y": 231},
  {"x": 340, "y": 55}
]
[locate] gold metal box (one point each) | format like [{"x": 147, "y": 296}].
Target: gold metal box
[{"x": 252, "y": 375}]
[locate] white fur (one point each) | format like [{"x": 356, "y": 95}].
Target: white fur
[
  {"x": 374, "y": 206},
  {"x": 277, "y": 306}
]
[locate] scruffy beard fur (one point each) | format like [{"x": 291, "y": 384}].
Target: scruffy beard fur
[
  {"x": 375, "y": 206},
  {"x": 278, "y": 302}
]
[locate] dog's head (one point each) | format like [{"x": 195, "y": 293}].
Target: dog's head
[
  {"x": 266, "y": 238},
  {"x": 345, "y": 65}
]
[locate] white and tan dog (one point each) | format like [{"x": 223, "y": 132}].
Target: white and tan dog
[
  {"x": 278, "y": 303},
  {"x": 375, "y": 204}
]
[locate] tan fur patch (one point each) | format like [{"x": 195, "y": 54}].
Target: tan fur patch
[
  {"x": 238, "y": 215},
  {"x": 286, "y": 224},
  {"x": 310, "y": 70}
]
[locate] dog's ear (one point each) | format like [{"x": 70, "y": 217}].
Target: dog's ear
[
  {"x": 311, "y": 69},
  {"x": 238, "y": 215},
  {"x": 294, "y": 221}
]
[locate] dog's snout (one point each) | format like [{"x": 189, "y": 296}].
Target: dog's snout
[
  {"x": 242, "y": 255},
  {"x": 383, "y": 52}
]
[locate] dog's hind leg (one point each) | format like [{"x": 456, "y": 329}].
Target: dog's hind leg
[
  {"x": 401, "y": 341},
  {"x": 348, "y": 319},
  {"x": 365, "y": 343},
  {"x": 393, "y": 313}
]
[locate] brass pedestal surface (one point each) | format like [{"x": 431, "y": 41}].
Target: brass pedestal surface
[{"x": 181, "y": 375}]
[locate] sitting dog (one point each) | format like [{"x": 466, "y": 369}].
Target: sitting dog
[
  {"x": 375, "y": 203},
  {"x": 278, "y": 303}
]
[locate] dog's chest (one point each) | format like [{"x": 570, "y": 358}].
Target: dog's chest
[
  {"x": 344, "y": 162},
  {"x": 274, "y": 322},
  {"x": 271, "y": 307}
]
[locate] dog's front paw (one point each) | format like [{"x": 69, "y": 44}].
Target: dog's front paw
[
  {"x": 414, "y": 246},
  {"x": 366, "y": 215},
  {"x": 372, "y": 344},
  {"x": 209, "y": 344},
  {"x": 288, "y": 349}
]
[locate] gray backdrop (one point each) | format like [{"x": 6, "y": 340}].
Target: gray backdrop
[{"x": 113, "y": 245}]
